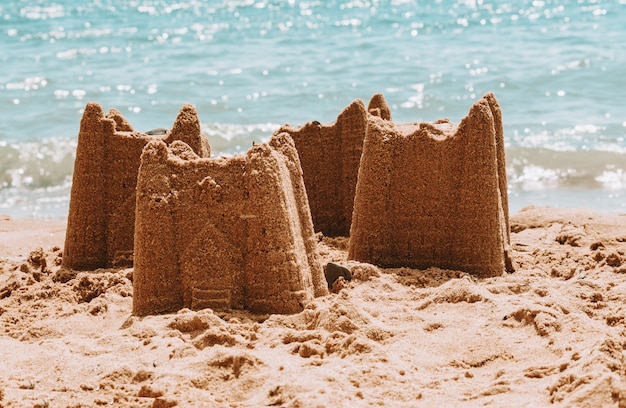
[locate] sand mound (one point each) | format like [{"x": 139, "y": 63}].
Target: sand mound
[
  {"x": 434, "y": 194},
  {"x": 101, "y": 220}
]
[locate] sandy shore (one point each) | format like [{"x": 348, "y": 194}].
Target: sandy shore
[{"x": 552, "y": 333}]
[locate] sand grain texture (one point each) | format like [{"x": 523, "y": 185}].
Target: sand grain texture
[
  {"x": 434, "y": 194},
  {"x": 330, "y": 156},
  {"x": 550, "y": 334},
  {"x": 224, "y": 232},
  {"x": 101, "y": 220}
]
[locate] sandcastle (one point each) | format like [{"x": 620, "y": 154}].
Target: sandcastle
[
  {"x": 434, "y": 194},
  {"x": 330, "y": 157},
  {"x": 224, "y": 232},
  {"x": 101, "y": 220},
  {"x": 238, "y": 232}
]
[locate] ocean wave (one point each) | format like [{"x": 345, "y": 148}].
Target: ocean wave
[
  {"x": 228, "y": 138},
  {"x": 49, "y": 163},
  {"x": 608, "y": 138},
  {"x": 35, "y": 178},
  {"x": 44, "y": 164},
  {"x": 542, "y": 168}
]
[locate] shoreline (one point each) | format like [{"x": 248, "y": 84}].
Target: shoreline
[
  {"x": 20, "y": 235},
  {"x": 518, "y": 201}
]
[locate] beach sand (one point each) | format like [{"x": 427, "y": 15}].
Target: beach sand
[{"x": 552, "y": 333}]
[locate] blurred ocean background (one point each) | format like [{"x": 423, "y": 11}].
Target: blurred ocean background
[{"x": 557, "y": 67}]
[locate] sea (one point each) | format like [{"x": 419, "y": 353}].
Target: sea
[{"x": 557, "y": 68}]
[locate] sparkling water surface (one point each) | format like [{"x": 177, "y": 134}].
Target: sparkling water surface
[{"x": 556, "y": 67}]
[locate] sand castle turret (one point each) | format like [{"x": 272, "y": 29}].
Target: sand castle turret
[
  {"x": 101, "y": 220},
  {"x": 330, "y": 156},
  {"x": 224, "y": 232},
  {"x": 378, "y": 107},
  {"x": 434, "y": 194}
]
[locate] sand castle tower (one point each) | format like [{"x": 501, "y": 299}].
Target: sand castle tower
[
  {"x": 378, "y": 107},
  {"x": 101, "y": 221},
  {"x": 434, "y": 194},
  {"x": 330, "y": 156},
  {"x": 224, "y": 232}
]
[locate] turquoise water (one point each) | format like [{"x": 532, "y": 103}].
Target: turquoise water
[{"x": 556, "y": 67}]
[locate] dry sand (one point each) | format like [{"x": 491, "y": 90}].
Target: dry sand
[{"x": 550, "y": 334}]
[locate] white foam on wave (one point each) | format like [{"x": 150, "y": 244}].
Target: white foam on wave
[
  {"x": 534, "y": 169},
  {"x": 37, "y": 165},
  {"x": 534, "y": 177},
  {"x": 613, "y": 179},
  {"x": 229, "y": 138}
]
